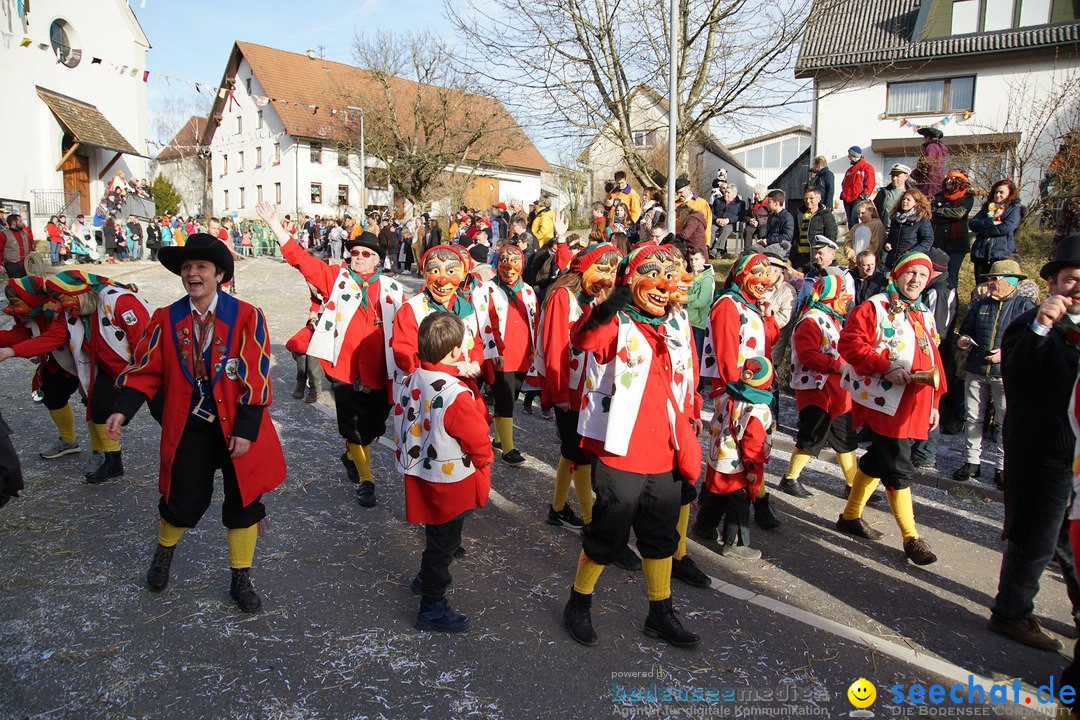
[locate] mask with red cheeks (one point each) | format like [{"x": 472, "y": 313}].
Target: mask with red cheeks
[
  {"x": 444, "y": 271},
  {"x": 511, "y": 262},
  {"x": 652, "y": 284},
  {"x": 683, "y": 279},
  {"x": 70, "y": 303},
  {"x": 752, "y": 276},
  {"x": 597, "y": 278}
]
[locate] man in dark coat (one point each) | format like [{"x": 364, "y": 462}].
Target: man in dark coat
[{"x": 1039, "y": 364}]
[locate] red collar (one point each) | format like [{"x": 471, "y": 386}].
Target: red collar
[{"x": 439, "y": 367}]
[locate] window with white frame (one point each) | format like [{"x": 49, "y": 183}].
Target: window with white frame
[
  {"x": 258, "y": 120},
  {"x": 1034, "y": 12},
  {"x": 316, "y": 152},
  {"x": 224, "y": 164},
  {"x": 239, "y": 124},
  {"x": 242, "y": 203},
  {"x": 316, "y": 193},
  {"x": 240, "y": 161},
  {"x": 277, "y": 192},
  {"x": 965, "y": 17},
  {"x": 946, "y": 95},
  {"x": 277, "y": 153},
  {"x": 258, "y": 193},
  {"x": 258, "y": 157},
  {"x": 643, "y": 138},
  {"x": 342, "y": 194},
  {"x": 225, "y": 204}
]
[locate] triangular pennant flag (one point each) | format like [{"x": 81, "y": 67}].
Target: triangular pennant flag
[
  {"x": 134, "y": 72},
  {"x": 221, "y": 93},
  {"x": 95, "y": 61},
  {"x": 146, "y": 76},
  {"x": 26, "y": 42},
  {"x": 198, "y": 88},
  {"x": 43, "y": 46}
]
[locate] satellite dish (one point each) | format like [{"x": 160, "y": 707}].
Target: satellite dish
[{"x": 311, "y": 54}]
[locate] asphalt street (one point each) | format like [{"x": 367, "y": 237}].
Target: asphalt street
[{"x": 81, "y": 636}]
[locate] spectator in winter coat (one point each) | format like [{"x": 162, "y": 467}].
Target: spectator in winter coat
[
  {"x": 692, "y": 228},
  {"x": 626, "y": 195},
  {"x": 700, "y": 296},
  {"x": 858, "y": 183},
  {"x": 951, "y": 208},
  {"x": 869, "y": 281},
  {"x": 652, "y": 214},
  {"x": 995, "y": 226},
  {"x": 728, "y": 211},
  {"x": 817, "y": 220},
  {"x": 910, "y": 230},
  {"x": 869, "y": 234},
  {"x": 780, "y": 228},
  {"x": 757, "y": 218},
  {"x": 930, "y": 168},
  {"x": 888, "y": 195},
  {"x": 823, "y": 179}
]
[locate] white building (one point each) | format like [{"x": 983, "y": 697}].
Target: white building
[
  {"x": 286, "y": 151},
  {"x": 981, "y": 71},
  {"x": 72, "y": 120},
  {"x": 768, "y": 156},
  {"x": 649, "y": 120},
  {"x": 184, "y": 162}
]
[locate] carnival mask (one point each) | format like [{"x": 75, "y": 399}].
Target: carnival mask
[
  {"x": 443, "y": 276},
  {"x": 510, "y": 264},
  {"x": 683, "y": 280},
  {"x": 70, "y": 303},
  {"x": 755, "y": 281},
  {"x": 597, "y": 278},
  {"x": 652, "y": 284}
]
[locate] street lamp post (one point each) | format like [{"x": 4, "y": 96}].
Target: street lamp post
[
  {"x": 673, "y": 109},
  {"x": 363, "y": 163}
]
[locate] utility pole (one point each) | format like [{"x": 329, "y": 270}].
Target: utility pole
[
  {"x": 322, "y": 51},
  {"x": 673, "y": 110}
]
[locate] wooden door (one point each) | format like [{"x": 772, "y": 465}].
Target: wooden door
[
  {"x": 77, "y": 179},
  {"x": 483, "y": 194}
]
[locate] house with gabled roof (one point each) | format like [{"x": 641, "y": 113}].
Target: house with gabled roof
[
  {"x": 184, "y": 162},
  {"x": 282, "y": 130},
  {"x": 603, "y": 155},
  {"x": 979, "y": 71}
]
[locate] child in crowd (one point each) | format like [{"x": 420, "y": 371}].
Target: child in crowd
[{"x": 443, "y": 450}]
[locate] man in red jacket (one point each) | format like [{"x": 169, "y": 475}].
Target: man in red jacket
[
  {"x": 210, "y": 355},
  {"x": 858, "y": 184}
]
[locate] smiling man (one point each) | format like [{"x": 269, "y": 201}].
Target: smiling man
[
  {"x": 210, "y": 356},
  {"x": 351, "y": 340},
  {"x": 886, "y": 341}
]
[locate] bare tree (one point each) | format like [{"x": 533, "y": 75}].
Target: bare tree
[
  {"x": 425, "y": 117},
  {"x": 576, "y": 64}
]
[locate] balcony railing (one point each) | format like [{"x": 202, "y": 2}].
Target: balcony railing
[{"x": 56, "y": 202}]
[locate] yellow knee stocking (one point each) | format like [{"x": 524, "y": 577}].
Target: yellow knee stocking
[
  {"x": 681, "y": 525},
  {"x": 848, "y": 466},
  {"x": 505, "y": 429},
  {"x": 242, "y": 546},
  {"x": 762, "y": 492},
  {"x": 658, "y": 577},
  {"x": 583, "y": 488},
  {"x": 107, "y": 443},
  {"x": 862, "y": 487},
  {"x": 64, "y": 419},
  {"x": 798, "y": 462},
  {"x": 95, "y": 439},
  {"x": 903, "y": 511},
  {"x": 168, "y": 535},
  {"x": 562, "y": 485},
  {"x": 588, "y": 573},
  {"x": 361, "y": 457}
]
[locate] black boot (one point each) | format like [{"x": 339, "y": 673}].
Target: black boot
[
  {"x": 578, "y": 619},
  {"x": 158, "y": 575},
  {"x": 365, "y": 494},
  {"x": 763, "y": 514},
  {"x": 243, "y": 592},
  {"x": 662, "y": 623},
  {"x": 113, "y": 467},
  {"x": 298, "y": 391}
]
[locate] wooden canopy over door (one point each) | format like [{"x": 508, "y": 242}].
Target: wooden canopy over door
[{"x": 77, "y": 179}]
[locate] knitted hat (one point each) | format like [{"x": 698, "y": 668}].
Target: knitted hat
[
  {"x": 912, "y": 259},
  {"x": 855, "y": 151},
  {"x": 826, "y": 289},
  {"x": 501, "y": 206},
  {"x": 584, "y": 259},
  {"x": 757, "y": 372},
  {"x": 77, "y": 282},
  {"x": 629, "y": 264},
  {"x": 939, "y": 259},
  {"x": 29, "y": 289},
  {"x": 742, "y": 267}
]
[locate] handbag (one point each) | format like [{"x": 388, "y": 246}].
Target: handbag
[{"x": 299, "y": 342}]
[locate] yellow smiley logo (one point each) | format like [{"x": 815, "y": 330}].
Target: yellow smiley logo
[{"x": 862, "y": 693}]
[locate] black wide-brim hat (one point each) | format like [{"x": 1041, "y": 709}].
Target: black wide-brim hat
[
  {"x": 931, "y": 132},
  {"x": 1067, "y": 255},
  {"x": 199, "y": 246},
  {"x": 368, "y": 240}
]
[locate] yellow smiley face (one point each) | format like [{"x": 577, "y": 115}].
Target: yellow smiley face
[{"x": 862, "y": 693}]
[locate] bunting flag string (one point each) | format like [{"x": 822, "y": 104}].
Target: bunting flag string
[{"x": 916, "y": 127}]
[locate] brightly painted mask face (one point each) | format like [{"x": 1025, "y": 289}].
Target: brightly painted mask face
[
  {"x": 70, "y": 303},
  {"x": 756, "y": 282},
  {"x": 843, "y": 304},
  {"x": 683, "y": 280},
  {"x": 510, "y": 264},
  {"x": 597, "y": 278},
  {"x": 443, "y": 276},
  {"x": 652, "y": 285}
]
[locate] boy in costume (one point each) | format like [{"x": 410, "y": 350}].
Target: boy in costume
[
  {"x": 886, "y": 340},
  {"x": 209, "y": 354},
  {"x": 738, "y": 452},
  {"x": 444, "y": 453}
]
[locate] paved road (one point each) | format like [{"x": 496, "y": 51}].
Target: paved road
[{"x": 80, "y": 636}]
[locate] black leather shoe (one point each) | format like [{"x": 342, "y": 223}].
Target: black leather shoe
[
  {"x": 967, "y": 472},
  {"x": 858, "y": 528},
  {"x": 113, "y": 467},
  {"x": 999, "y": 480},
  {"x": 628, "y": 559},
  {"x": 243, "y": 591},
  {"x": 158, "y": 575},
  {"x": 365, "y": 494},
  {"x": 792, "y": 486},
  {"x": 350, "y": 468},
  {"x": 763, "y": 514},
  {"x": 662, "y": 623},
  {"x": 578, "y": 618},
  {"x": 688, "y": 571}
]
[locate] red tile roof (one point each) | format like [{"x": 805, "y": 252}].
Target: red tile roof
[
  {"x": 306, "y": 82},
  {"x": 186, "y": 139}
]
